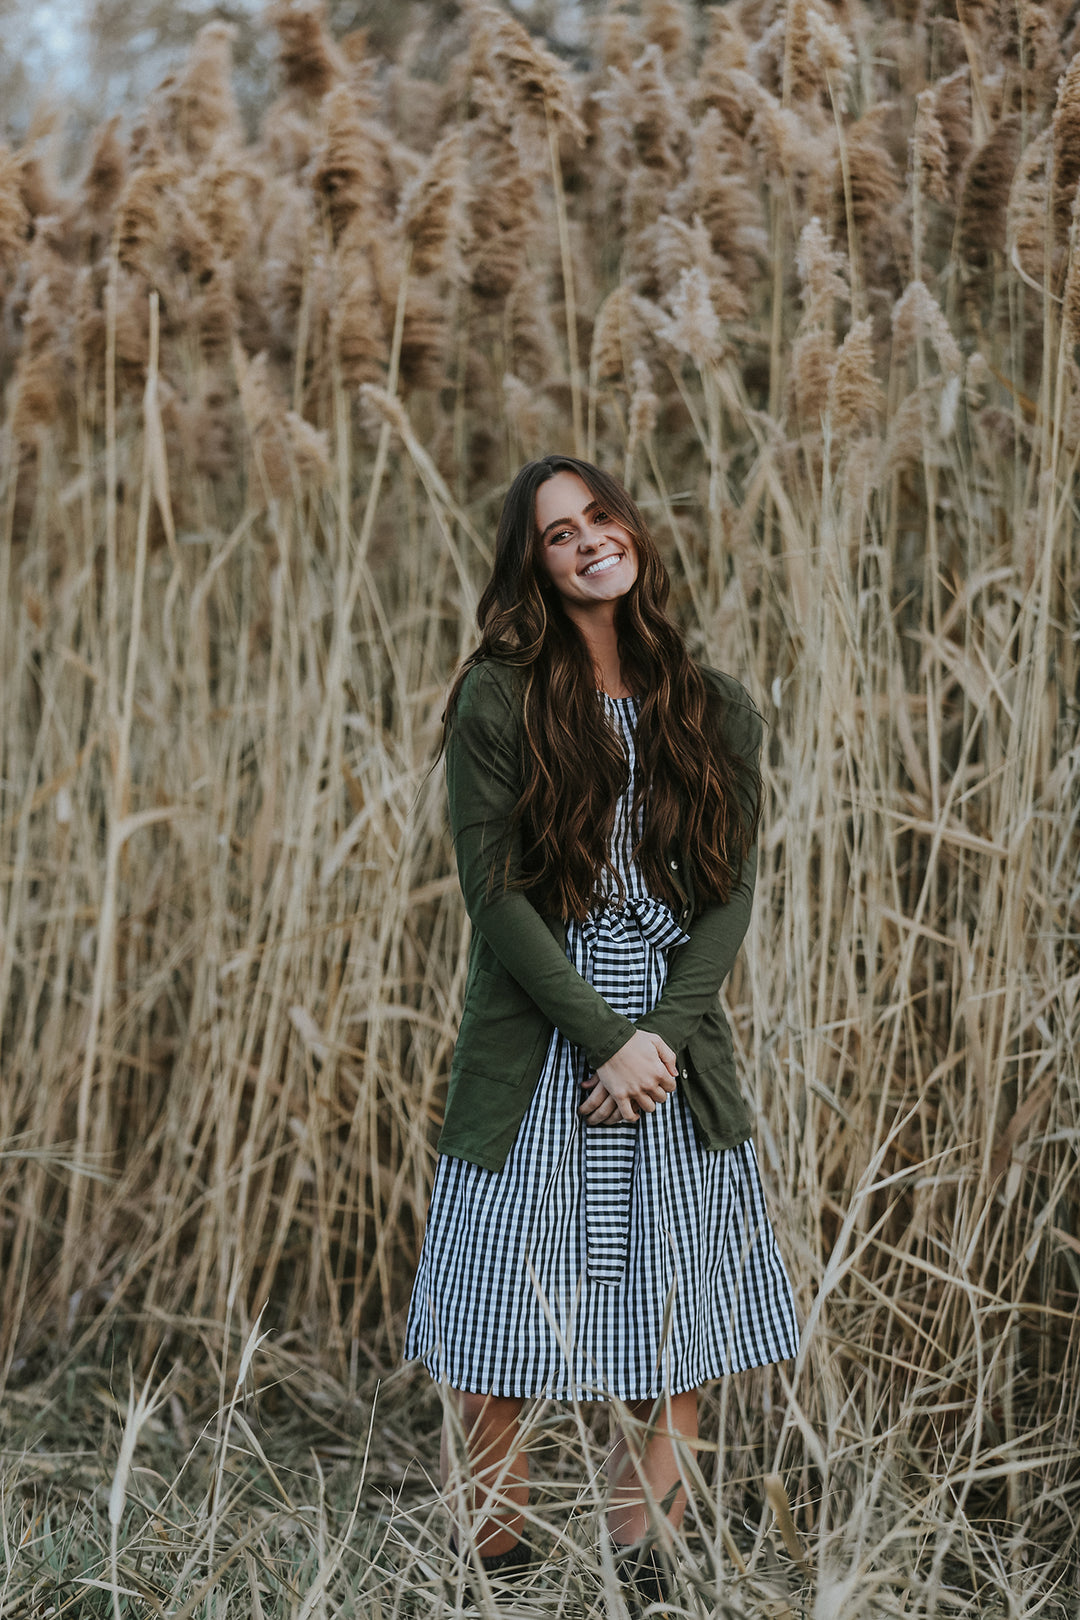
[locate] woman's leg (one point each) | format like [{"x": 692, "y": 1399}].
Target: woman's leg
[
  {"x": 499, "y": 1469},
  {"x": 644, "y": 1463}
]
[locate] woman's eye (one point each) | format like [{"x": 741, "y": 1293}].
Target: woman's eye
[{"x": 600, "y": 517}]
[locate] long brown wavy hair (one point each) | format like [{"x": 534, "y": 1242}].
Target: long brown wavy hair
[{"x": 691, "y": 792}]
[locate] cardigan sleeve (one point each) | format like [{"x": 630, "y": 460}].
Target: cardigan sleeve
[
  {"x": 483, "y": 778},
  {"x": 698, "y": 968}
]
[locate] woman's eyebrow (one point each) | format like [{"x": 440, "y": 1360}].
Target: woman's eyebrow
[{"x": 558, "y": 523}]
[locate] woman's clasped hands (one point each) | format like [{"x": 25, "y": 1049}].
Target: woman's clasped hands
[{"x": 639, "y": 1076}]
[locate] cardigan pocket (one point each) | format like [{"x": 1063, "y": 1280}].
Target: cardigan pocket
[{"x": 502, "y": 1030}]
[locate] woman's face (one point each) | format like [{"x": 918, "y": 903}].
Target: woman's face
[{"x": 588, "y": 555}]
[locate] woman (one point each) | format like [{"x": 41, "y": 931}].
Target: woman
[{"x": 597, "y": 1227}]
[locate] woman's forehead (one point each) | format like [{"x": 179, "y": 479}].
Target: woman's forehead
[{"x": 563, "y": 494}]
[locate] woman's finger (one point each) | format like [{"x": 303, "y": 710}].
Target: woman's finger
[
  {"x": 663, "y": 1052},
  {"x": 604, "y": 1116}
]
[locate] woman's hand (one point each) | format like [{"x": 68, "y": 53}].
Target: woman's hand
[{"x": 639, "y": 1076}]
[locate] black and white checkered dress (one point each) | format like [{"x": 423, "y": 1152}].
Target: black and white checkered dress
[{"x": 601, "y": 1260}]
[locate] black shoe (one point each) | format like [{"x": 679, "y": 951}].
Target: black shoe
[
  {"x": 643, "y": 1577},
  {"x": 511, "y": 1566}
]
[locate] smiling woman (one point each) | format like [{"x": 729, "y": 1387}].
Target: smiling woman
[{"x": 597, "y": 1228}]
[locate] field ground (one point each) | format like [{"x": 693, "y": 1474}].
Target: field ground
[{"x": 294, "y": 1498}]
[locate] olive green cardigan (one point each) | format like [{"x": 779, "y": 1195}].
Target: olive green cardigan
[{"x": 520, "y": 981}]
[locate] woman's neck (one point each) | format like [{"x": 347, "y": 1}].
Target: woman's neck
[{"x": 602, "y": 644}]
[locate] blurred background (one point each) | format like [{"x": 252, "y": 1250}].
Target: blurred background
[{"x": 97, "y": 57}]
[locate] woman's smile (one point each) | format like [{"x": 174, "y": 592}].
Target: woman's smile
[{"x": 603, "y": 565}]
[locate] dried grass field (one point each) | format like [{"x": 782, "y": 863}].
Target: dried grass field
[{"x": 808, "y": 275}]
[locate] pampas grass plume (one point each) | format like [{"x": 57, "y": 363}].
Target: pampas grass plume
[
  {"x": 929, "y": 150},
  {"x": 1066, "y": 127},
  {"x": 423, "y": 336},
  {"x": 616, "y": 334},
  {"x": 1028, "y": 217},
  {"x": 717, "y": 190},
  {"x": 832, "y": 52},
  {"x": 677, "y": 247},
  {"x": 819, "y": 55},
  {"x": 727, "y": 52},
  {"x": 432, "y": 215},
  {"x": 813, "y": 355},
  {"x": 917, "y": 313},
  {"x": 910, "y": 429},
  {"x": 644, "y": 406},
  {"x": 502, "y": 211},
  {"x": 310, "y": 448},
  {"x": 215, "y": 315},
  {"x": 874, "y": 179},
  {"x": 985, "y": 199},
  {"x": 694, "y": 328},
  {"x": 225, "y": 197},
  {"x": 105, "y": 171},
  {"x": 822, "y": 271},
  {"x": 618, "y": 39},
  {"x": 523, "y": 414},
  {"x": 666, "y": 24},
  {"x": 201, "y": 105},
  {"x": 284, "y": 445},
  {"x": 132, "y": 328},
  {"x": 1071, "y": 298},
  {"x": 530, "y": 330},
  {"x": 310, "y": 61},
  {"x": 359, "y": 327},
  {"x": 643, "y": 122},
  {"x": 288, "y": 249},
  {"x": 952, "y": 109},
  {"x": 143, "y": 218},
  {"x": 39, "y": 374},
  {"x": 14, "y": 216},
  {"x": 351, "y": 173},
  {"x": 855, "y": 396},
  {"x": 520, "y": 72}
]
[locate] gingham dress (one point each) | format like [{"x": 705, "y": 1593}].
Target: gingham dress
[{"x": 601, "y": 1260}]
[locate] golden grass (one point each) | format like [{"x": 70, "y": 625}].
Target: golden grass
[{"x": 263, "y": 396}]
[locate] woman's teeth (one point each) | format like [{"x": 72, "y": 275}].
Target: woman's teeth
[{"x": 602, "y": 566}]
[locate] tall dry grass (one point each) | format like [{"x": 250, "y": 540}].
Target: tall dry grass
[{"x": 808, "y": 279}]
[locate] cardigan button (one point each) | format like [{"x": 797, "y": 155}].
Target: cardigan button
[
  {"x": 684, "y": 1074},
  {"x": 674, "y": 866}
]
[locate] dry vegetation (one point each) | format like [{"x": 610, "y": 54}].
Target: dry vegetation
[{"x": 806, "y": 274}]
